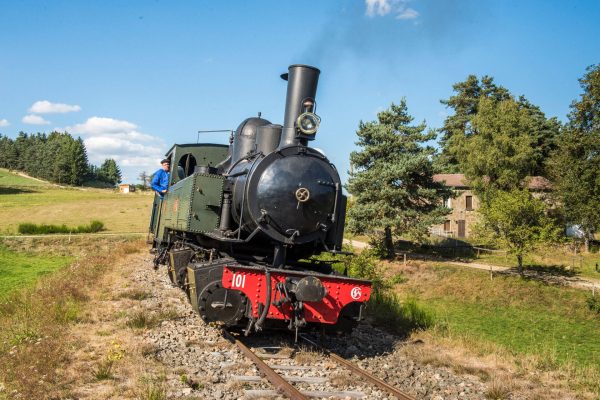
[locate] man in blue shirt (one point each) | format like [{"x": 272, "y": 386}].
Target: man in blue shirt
[{"x": 160, "y": 180}]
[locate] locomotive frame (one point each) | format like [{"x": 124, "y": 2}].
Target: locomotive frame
[{"x": 239, "y": 223}]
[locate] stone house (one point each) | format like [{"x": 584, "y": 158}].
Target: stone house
[
  {"x": 464, "y": 205},
  {"x": 126, "y": 188}
]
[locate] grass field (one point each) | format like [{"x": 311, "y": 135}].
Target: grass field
[
  {"x": 22, "y": 269},
  {"x": 27, "y": 200},
  {"x": 35, "y": 348},
  {"x": 522, "y": 317}
]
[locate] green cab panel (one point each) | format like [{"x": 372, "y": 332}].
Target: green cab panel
[
  {"x": 184, "y": 208},
  {"x": 194, "y": 203}
]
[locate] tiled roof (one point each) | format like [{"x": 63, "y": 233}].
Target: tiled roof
[
  {"x": 456, "y": 180},
  {"x": 459, "y": 180},
  {"x": 539, "y": 183}
]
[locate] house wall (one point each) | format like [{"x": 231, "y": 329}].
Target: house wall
[
  {"x": 458, "y": 205},
  {"x": 126, "y": 188}
]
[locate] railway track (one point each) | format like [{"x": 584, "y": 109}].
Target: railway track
[{"x": 293, "y": 380}]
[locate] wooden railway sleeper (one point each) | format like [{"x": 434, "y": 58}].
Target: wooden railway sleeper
[
  {"x": 280, "y": 384},
  {"x": 360, "y": 372}
]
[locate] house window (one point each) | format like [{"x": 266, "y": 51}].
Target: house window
[
  {"x": 448, "y": 202},
  {"x": 447, "y": 225},
  {"x": 469, "y": 203},
  {"x": 461, "y": 228}
]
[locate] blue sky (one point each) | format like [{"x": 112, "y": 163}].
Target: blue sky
[{"x": 132, "y": 78}]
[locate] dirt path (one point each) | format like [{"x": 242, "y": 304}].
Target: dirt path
[
  {"x": 132, "y": 324},
  {"x": 572, "y": 281}
]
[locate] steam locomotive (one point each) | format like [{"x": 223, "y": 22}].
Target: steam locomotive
[{"x": 239, "y": 224}]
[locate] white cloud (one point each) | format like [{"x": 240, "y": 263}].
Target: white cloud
[
  {"x": 102, "y": 126},
  {"x": 32, "y": 119},
  {"x": 46, "y": 107},
  {"x": 379, "y": 7},
  {"x": 408, "y": 13},
  {"x": 108, "y": 145},
  {"x": 382, "y": 8},
  {"x": 4, "y": 122},
  {"x": 133, "y": 150}
]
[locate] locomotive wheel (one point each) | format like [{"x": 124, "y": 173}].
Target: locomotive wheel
[
  {"x": 216, "y": 303},
  {"x": 347, "y": 320}
]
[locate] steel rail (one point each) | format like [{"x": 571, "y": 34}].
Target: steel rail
[
  {"x": 361, "y": 372},
  {"x": 280, "y": 384}
]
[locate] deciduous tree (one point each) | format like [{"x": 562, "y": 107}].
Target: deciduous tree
[
  {"x": 517, "y": 221},
  {"x": 576, "y": 162},
  {"x": 500, "y": 153},
  {"x": 469, "y": 117},
  {"x": 145, "y": 179},
  {"x": 464, "y": 103}
]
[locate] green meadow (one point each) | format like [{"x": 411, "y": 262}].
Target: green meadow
[
  {"x": 25, "y": 200},
  {"x": 520, "y": 317},
  {"x": 22, "y": 269}
]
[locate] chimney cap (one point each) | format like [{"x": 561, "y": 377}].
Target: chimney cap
[{"x": 286, "y": 75}]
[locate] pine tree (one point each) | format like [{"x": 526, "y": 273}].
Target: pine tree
[
  {"x": 79, "y": 162},
  {"x": 21, "y": 144},
  {"x": 8, "y": 153},
  {"x": 391, "y": 181},
  {"x": 59, "y": 157},
  {"x": 110, "y": 172},
  {"x": 49, "y": 157}
]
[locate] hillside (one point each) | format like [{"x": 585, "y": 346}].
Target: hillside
[{"x": 24, "y": 199}]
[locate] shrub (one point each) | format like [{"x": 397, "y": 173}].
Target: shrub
[
  {"x": 363, "y": 266},
  {"x": 141, "y": 320},
  {"x": 593, "y": 304},
  {"x": 96, "y": 226},
  {"x": 403, "y": 316},
  {"x": 396, "y": 279},
  {"x": 152, "y": 388},
  {"x": 27, "y": 228},
  {"x": 43, "y": 229}
]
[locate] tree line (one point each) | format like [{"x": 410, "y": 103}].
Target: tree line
[
  {"x": 498, "y": 141},
  {"x": 56, "y": 157}
]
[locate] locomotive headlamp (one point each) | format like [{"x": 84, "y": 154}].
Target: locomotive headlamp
[{"x": 308, "y": 123}]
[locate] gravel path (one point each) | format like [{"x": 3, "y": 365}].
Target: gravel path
[{"x": 179, "y": 356}]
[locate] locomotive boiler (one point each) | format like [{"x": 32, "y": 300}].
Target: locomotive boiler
[{"x": 239, "y": 223}]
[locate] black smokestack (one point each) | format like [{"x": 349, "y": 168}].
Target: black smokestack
[{"x": 302, "y": 85}]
